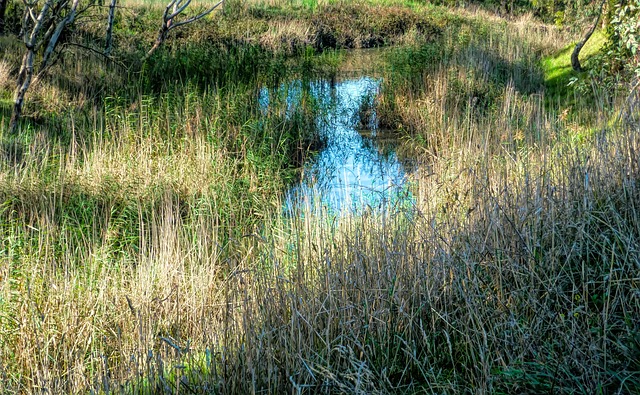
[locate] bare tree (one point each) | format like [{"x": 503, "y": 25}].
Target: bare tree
[
  {"x": 575, "y": 61},
  {"x": 170, "y": 22},
  {"x": 42, "y": 26},
  {"x": 109, "y": 39}
]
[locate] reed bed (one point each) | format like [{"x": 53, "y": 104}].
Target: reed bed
[{"x": 144, "y": 248}]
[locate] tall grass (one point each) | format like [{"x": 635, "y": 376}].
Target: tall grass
[
  {"x": 144, "y": 249},
  {"x": 84, "y": 213}
]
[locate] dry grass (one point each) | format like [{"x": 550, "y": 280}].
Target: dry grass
[
  {"x": 145, "y": 251},
  {"x": 5, "y": 75}
]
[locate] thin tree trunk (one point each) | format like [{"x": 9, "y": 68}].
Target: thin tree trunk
[
  {"x": 173, "y": 9},
  {"x": 53, "y": 40},
  {"x": 575, "y": 60},
  {"x": 32, "y": 43},
  {"x": 3, "y": 10},
  {"x": 506, "y": 7},
  {"x": 162, "y": 35},
  {"x": 24, "y": 80},
  {"x": 26, "y": 69},
  {"x": 109, "y": 38}
]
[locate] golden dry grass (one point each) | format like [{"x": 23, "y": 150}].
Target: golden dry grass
[{"x": 145, "y": 250}]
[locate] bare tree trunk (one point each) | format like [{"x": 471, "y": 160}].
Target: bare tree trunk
[
  {"x": 24, "y": 80},
  {"x": 162, "y": 35},
  {"x": 109, "y": 39},
  {"x": 173, "y": 9},
  {"x": 53, "y": 40},
  {"x": 26, "y": 69},
  {"x": 3, "y": 10},
  {"x": 506, "y": 6},
  {"x": 575, "y": 61},
  {"x": 33, "y": 41}
]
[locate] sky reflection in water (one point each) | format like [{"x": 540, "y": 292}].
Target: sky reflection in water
[{"x": 351, "y": 173}]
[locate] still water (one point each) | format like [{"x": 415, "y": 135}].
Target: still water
[{"x": 357, "y": 169}]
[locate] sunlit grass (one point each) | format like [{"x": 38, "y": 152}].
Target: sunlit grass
[
  {"x": 143, "y": 246},
  {"x": 557, "y": 67}
]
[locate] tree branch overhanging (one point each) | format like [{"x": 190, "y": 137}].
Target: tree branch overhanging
[{"x": 172, "y": 10}]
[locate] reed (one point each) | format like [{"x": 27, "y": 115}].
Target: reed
[{"x": 144, "y": 249}]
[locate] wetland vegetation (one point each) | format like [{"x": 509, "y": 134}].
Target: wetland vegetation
[{"x": 157, "y": 234}]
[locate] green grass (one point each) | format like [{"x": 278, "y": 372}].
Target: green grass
[
  {"x": 558, "y": 71},
  {"x": 143, "y": 248}
]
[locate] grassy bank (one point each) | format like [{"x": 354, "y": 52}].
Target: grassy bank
[
  {"x": 143, "y": 249},
  {"x": 528, "y": 206}
]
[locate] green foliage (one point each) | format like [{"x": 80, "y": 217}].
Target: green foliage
[
  {"x": 13, "y": 16},
  {"x": 142, "y": 247},
  {"x": 626, "y": 34}
]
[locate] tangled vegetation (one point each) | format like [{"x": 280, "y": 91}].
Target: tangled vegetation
[{"x": 144, "y": 249}]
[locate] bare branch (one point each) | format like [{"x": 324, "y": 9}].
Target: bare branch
[
  {"x": 47, "y": 35},
  {"x": 30, "y": 4},
  {"x": 177, "y": 5},
  {"x": 87, "y": 48},
  {"x": 39, "y": 24},
  {"x": 195, "y": 18},
  {"x": 97, "y": 52},
  {"x": 53, "y": 41},
  {"x": 169, "y": 7},
  {"x": 32, "y": 15},
  {"x": 179, "y": 9},
  {"x": 168, "y": 23},
  {"x": 53, "y": 17}
]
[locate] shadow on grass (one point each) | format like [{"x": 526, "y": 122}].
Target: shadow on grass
[
  {"x": 476, "y": 74},
  {"x": 81, "y": 222},
  {"x": 559, "y": 75}
]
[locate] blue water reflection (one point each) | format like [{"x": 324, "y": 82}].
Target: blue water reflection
[{"x": 352, "y": 173}]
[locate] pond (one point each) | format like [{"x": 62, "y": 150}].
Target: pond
[{"x": 357, "y": 168}]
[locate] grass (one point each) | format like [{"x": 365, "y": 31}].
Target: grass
[
  {"x": 143, "y": 248},
  {"x": 558, "y": 70}
]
